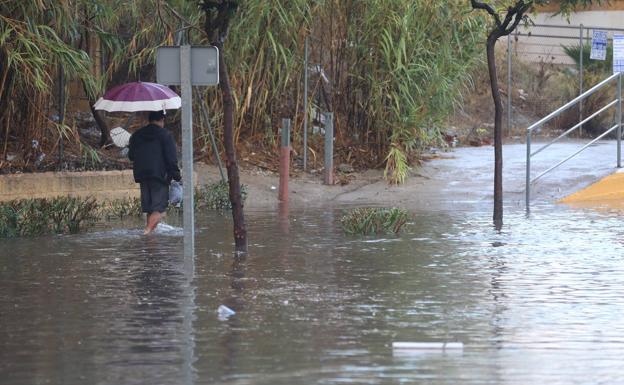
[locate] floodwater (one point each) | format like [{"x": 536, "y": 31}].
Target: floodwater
[{"x": 539, "y": 302}]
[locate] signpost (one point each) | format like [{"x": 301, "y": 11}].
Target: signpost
[
  {"x": 599, "y": 45},
  {"x": 618, "y": 53},
  {"x": 188, "y": 66}
]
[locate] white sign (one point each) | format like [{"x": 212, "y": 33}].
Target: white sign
[
  {"x": 618, "y": 53},
  {"x": 204, "y": 66},
  {"x": 599, "y": 45}
]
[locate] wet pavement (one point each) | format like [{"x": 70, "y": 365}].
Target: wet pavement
[
  {"x": 462, "y": 179},
  {"x": 538, "y": 302}
]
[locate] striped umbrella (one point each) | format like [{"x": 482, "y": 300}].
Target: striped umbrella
[{"x": 139, "y": 96}]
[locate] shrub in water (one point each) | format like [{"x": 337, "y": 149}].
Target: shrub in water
[
  {"x": 80, "y": 213},
  {"x": 8, "y": 221},
  {"x": 31, "y": 217},
  {"x": 371, "y": 220},
  {"x": 216, "y": 196},
  {"x": 121, "y": 208},
  {"x": 61, "y": 215}
]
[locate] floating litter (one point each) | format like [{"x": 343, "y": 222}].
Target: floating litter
[
  {"x": 409, "y": 348},
  {"x": 120, "y": 137},
  {"x": 224, "y": 312}
]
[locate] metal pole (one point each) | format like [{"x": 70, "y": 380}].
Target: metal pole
[
  {"x": 212, "y": 138},
  {"x": 305, "y": 105},
  {"x": 61, "y": 117},
  {"x": 284, "y": 161},
  {"x": 509, "y": 85},
  {"x": 619, "y": 121},
  {"x": 528, "y": 173},
  {"x": 581, "y": 77},
  {"x": 329, "y": 148},
  {"x": 187, "y": 154}
]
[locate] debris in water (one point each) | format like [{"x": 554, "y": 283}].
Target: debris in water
[
  {"x": 406, "y": 348},
  {"x": 224, "y": 312}
]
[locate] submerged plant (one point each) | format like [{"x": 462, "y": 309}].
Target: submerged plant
[
  {"x": 216, "y": 196},
  {"x": 60, "y": 215},
  {"x": 121, "y": 208},
  {"x": 373, "y": 220},
  {"x": 8, "y": 221}
]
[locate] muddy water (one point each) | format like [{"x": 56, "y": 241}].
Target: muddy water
[{"x": 541, "y": 302}]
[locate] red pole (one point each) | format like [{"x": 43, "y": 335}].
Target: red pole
[{"x": 284, "y": 161}]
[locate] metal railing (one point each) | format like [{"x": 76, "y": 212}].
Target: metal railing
[
  {"x": 528, "y": 42},
  {"x": 618, "y": 126}
]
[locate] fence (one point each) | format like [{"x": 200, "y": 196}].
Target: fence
[
  {"x": 317, "y": 90},
  {"x": 544, "y": 46}
]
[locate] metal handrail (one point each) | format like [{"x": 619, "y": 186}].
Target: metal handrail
[
  {"x": 577, "y": 125},
  {"x": 573, "y": 102},
  {"x": 580, "y": 98}
]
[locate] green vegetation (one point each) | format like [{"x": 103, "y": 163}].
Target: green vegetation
[
  {"x": 594, "y": 71},
  {"x": 216, "y": 196},
  {"x": 60, "y": 215},
  {"x": 121, "y": 208},
  {"x": 392, "y": 70},
  {"x": 372, "y": 220},
  {"x": 71, "y": 215}
]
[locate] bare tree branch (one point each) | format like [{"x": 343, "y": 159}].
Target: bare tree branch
[
  {"x": 520, "y": 15},
  {"x": 488, "y": 8},
  {"x": 177, "y": 15}
]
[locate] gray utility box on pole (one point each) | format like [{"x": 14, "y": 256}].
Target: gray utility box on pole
[{"x": 188, "y": 66}]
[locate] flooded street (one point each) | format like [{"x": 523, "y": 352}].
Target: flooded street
[{"x": 539, "y": 302}]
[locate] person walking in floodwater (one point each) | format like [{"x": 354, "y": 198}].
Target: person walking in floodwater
[{"x": 155, "y": 163}]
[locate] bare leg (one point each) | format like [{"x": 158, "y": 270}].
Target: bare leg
[{"x": 152, "y": 221}]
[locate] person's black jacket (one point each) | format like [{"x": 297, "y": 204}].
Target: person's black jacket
[{"x": 153, "y": 151}]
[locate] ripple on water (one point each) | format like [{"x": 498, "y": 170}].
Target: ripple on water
[{"x": 538, "y": 301}]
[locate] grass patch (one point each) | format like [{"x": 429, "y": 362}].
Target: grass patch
[
  {"x": 216, "y": 196},
  {"x": 71, "y": 215},
  {"x": 62, "y": 215},
  {"x": 372, "y": 220},
  {"x": 121, "y": 208}
]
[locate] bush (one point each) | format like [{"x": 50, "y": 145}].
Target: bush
[
  {"x": 216, "y": 196},
  {"x": 31, "y": 217},
  {"x": 70, "y": 215},
  {"x": 594, "y": 72},
  {"x": 370, "y": 220},
  {"x": 121, "y": 208}
]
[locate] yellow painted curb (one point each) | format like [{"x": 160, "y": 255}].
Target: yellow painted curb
[{"x": 606, "y": 190}]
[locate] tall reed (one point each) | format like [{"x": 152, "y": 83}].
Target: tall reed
[{"x": 391, "y": 69}]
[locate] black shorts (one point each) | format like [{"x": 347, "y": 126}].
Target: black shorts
[{"x": 154, "y": 196}]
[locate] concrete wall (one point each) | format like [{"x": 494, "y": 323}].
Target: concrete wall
[{"x": 100, "y": 184}]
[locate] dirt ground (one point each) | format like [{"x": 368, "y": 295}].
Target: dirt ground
[{"x": 306, "y": 189}]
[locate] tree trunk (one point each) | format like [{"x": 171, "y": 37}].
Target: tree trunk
[
  {"x": 498, "y": 137},
  {"x": 99, "y": 121},
  {"x": 240, "y": 230}
]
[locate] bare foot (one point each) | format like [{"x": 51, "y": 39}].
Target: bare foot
[{"x": 152, "y": 221}]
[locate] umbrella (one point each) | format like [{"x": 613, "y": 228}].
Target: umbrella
[{"x": 138, "y": 96}]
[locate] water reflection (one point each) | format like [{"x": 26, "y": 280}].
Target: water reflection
[
  {"x": 231, "y": 337},
  {"x": 536, "y": 301}
]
